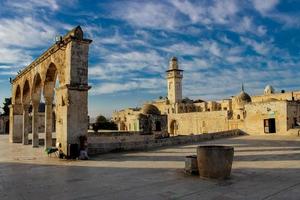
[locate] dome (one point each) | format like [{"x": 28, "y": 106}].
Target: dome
[
  {"x": 174, "y": 58},
  {"x": 149, "y": 109},
  {"x": 243, "y": 97},
  {"x": 269, "y": 90},
  {"x": 173, "y": 63}
]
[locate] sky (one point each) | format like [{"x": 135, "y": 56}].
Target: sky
[{"x": 219, "y": 45}]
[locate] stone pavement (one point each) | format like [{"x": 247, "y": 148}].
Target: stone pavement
[{"x": 265, "y": 167}]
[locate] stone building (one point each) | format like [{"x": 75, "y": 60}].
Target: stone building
[
  {"x": 269, "y": 112},
  {"x": 147, "y": 120}
]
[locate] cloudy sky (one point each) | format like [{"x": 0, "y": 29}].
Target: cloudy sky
[{"x": 220, "y": 45}]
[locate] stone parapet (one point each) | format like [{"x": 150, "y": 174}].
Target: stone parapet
[{"x": 105, "y": 144}]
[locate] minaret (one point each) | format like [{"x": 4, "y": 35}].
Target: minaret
[{"x": 174, "y": 81}]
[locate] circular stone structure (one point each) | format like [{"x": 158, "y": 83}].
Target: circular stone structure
[{"x": 214, "y": 162}]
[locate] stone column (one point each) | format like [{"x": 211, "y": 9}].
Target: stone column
[
  {"x": 25, "y": 124},
  {"x": 15, "y": 123},
  {"x": 35, "y": 131},
  {"x": 48, "y": 123}
]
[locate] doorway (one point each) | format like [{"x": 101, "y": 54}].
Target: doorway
[{"x": 270, "y": 125}]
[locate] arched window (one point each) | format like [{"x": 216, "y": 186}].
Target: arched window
[{"x": 238, "y": 116}]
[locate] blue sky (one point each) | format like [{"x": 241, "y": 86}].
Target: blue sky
[{"x": 220, "y": 45}]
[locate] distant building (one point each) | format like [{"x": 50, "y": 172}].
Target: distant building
[
  {"x": 270, "y": 112},
  {"x": 4, "y": 124}
]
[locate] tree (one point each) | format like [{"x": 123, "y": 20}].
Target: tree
[
  {"x": 101, "y": 119},
  {"x": 104, "y": 124},
  {"x": 5, "y": 108}
]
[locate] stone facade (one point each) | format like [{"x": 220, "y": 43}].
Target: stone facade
[
  {"x": 269, "y": 112},
  {"x": 147, "y": 120},
  {"x": 65, "y": 62}
]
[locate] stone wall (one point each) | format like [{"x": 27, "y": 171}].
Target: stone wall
[
  {"x": 99, "y": 143},
  {"x": 256, "y": 113},
  {"x": 199, "y": 122},
  {"x": 279, "y": 96}
]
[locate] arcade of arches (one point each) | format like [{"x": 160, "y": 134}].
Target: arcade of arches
[{"x": 66, "y": 63}]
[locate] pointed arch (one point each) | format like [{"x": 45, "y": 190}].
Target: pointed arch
[
  {"x": 36, "y": 88},
  {"x": 50, "y": 81},
  {"x": 17, "y": 96},
  {"x": 26, "y": 93}
]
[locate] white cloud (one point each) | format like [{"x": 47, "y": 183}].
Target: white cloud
[
  {"x": 26, "y": 32},
  {"x": 265, "y": 6},
  {"x": 219, "y": 12},
  {"x": 132, "y": 84},
  {"x": 14, "y": 57},
  {"x": 261, "y": 48},
  {"x": 246, "y": 25},
  {"x": 212, "y": 47},
  {"x": 30, "y": 5},
  {"x": 234, "y": 59},
  {"x": 182, "y": 48},
  {"x": 147, "y": 14}
]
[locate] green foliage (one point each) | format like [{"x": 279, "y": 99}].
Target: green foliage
[
  {"x": 5, "y": 108},
  {"x": 104, "y": 124},
  {"x": 101, "y": 119}
]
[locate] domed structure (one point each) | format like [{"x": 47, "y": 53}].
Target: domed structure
[
  {"x": 149, "y": 109},
  {"x": 173, "y": 63},
  {"x": 243, "y": 97},
  {"x": 269, "y": 90}
]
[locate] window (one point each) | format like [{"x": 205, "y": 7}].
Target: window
[{"x": 238, "y": 117}]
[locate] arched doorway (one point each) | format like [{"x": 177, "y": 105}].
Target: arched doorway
[
  {"x": 157, "y": 126},
  {"x": 35, "y": 102},
  {"x": 173, "y": 128},
  {"x": 51, "y": 84}
]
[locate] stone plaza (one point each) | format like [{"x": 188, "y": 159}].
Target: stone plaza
[{"x": 264, "y": 167}]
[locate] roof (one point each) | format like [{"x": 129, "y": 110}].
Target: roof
[
  {"x": 243, "y": 97},
  {"x": 149, "y": 109}
]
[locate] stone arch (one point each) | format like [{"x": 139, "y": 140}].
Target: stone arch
[
  {"x": 36, "y": 90},
  {"x": 25, "y": 102},
  {"x": 50, "y": 80},
  {"x": 17, "y": 96},
  {"x": 26, "y": 93},
  {"x": 65, "y": 61},
  {"x": 49, "y": 92}
]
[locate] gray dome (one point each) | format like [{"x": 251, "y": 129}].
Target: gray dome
[
  {"x": 243, "y": 97},
  {"x": 149, "y": 109},
  {"x": 269, "y": 90}
]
